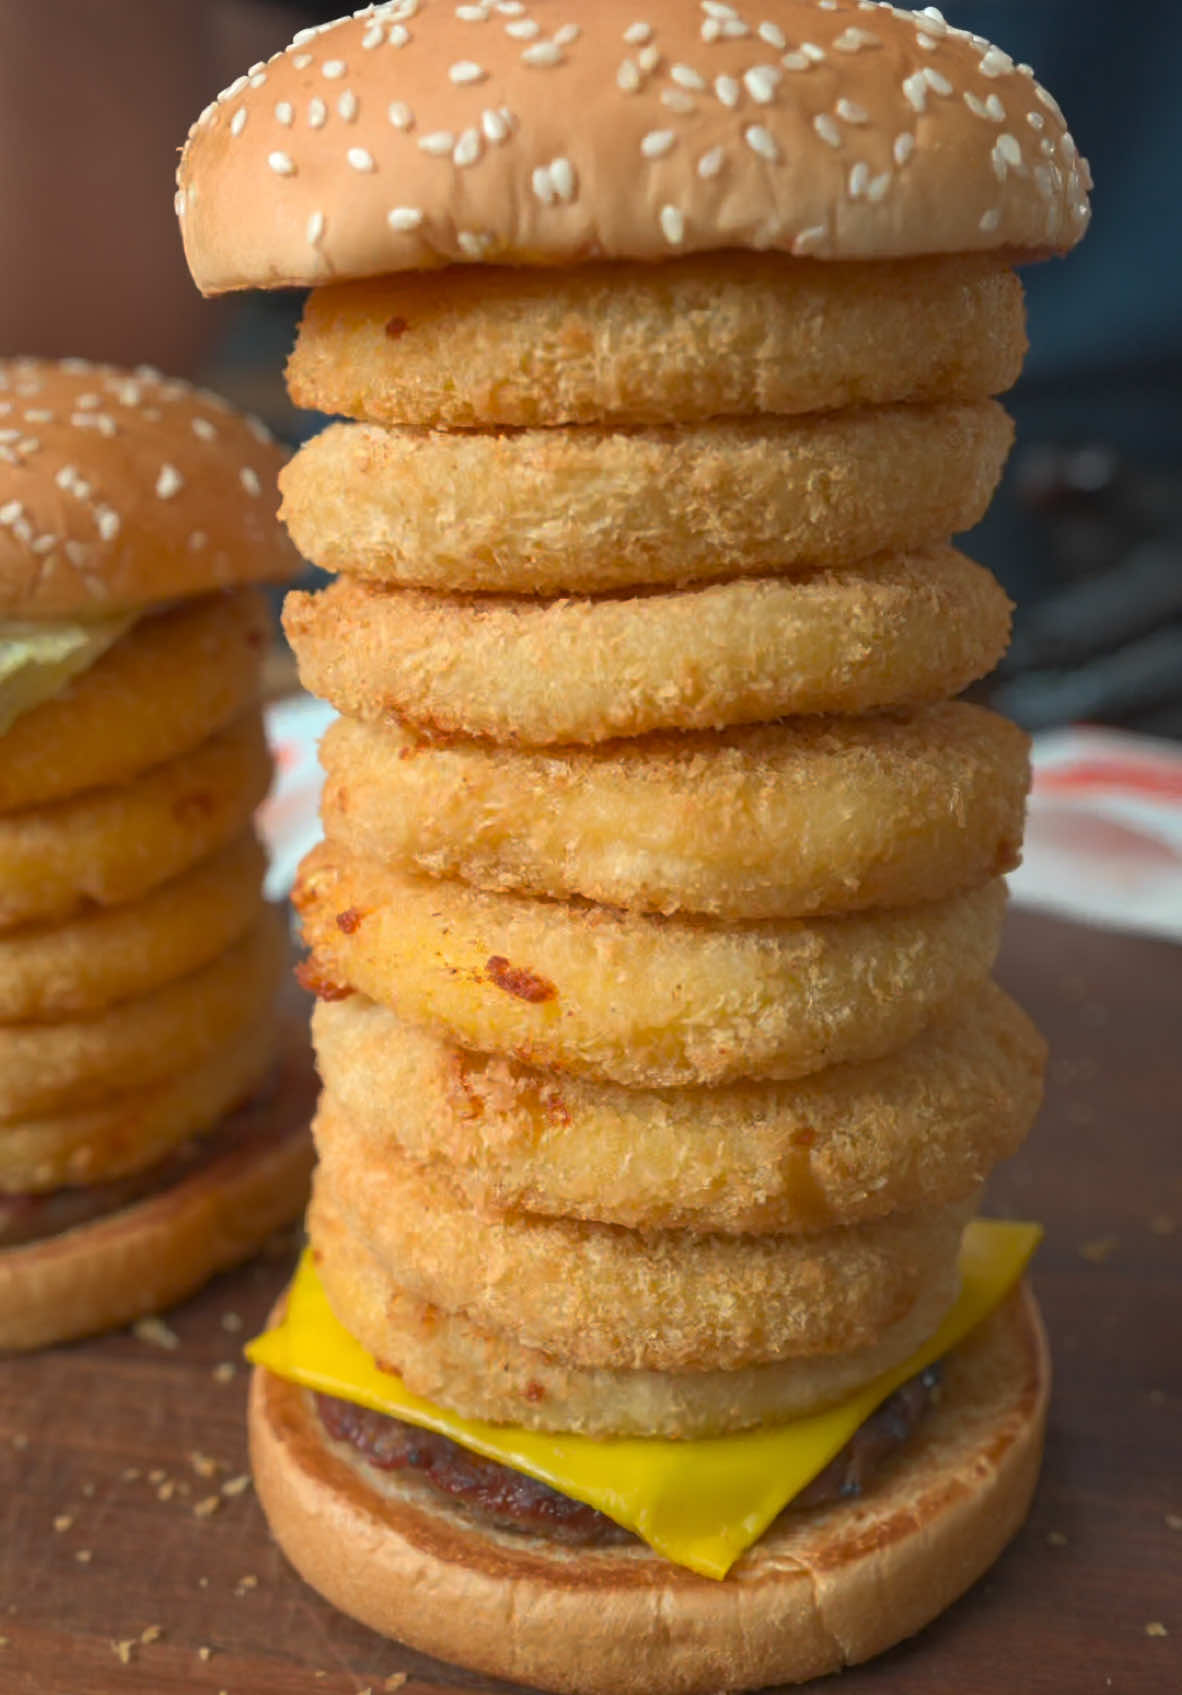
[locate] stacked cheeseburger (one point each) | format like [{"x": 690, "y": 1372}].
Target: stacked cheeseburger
[
  {"x": 139, "y": 965},
  {"x": 661, "y": 880}
]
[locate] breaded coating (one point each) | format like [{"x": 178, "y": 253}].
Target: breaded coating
[
  {"x": 588, "y": 510},
  {"x": 636, "y": 999},
  {"x": 892, "y": 632}
]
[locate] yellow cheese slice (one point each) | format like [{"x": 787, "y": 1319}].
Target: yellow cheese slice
[
  {"x": 38, "y": 660},
  {"x": 699, "y": 1504}
]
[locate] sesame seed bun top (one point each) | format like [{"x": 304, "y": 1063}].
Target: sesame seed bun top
[
  {"x": 123, "y": 488},
  {"x": 421, "y": 132}
]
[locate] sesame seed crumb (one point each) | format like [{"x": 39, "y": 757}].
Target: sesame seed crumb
[
  {"x": 83, "y": 1556},
  {"x": 246, "y": 1584},
  {"x": 153, "y": 1633},
  {"x": 154, "y": 1331},
  {"x": 207, "y": 1506},
  {"x": 224, "y": 1373},
  {"x": 235, "y": 1486},
  {"x": 63, "y": 1521},
  {"x": 1056, "y": 1539},
  {"x": 124, "y": 1651},
  {"x": 1156, "y": 1628},
  {"x": 205, "y": 1654},
  {"x": 1174, "y": 1521}
]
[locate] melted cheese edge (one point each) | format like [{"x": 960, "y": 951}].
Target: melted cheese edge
[
  {"x": 699, "y": 1504},
  {"x": 38, "y": 660}
]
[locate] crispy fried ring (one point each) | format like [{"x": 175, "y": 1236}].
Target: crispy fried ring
[
  {"x": 51, "y": 1069},
  {"x": 695, "y": 338},
  {"x": 118, "y": 953},
  {"x": 779, "y": 821},
  {"x": 172, "y": 681},
  {"x": 891, "y": 632},
  {"x": 114, "y": 845},
  {"x": 134, "y": 1130},
  {"x": 483, "y": 1374},
  {"x": 599, "y": 1295},
  {"x": 590, "y": 511},
  {"x": 635, "y": 999},
  {"x": 920, "y": 1128}
]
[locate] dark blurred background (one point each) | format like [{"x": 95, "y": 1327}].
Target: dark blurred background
[{"x": 1086, "y": 533}]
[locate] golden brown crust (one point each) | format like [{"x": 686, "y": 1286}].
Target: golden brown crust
[
  {"x": 918, "y": 1129},
  {"x": 781, "y": 821},
  {"x": 75, "y": 1063},
  {"x": 635, "y": 999},
  {"x": 563, "y": 147},
  {"x": 599, "y": 1295},
  {"x": 123, "y": 1135},
  {"x": 887, "y": 633},
  {"x": 590, "y": 511},
  {"x": 153, "y": 1254},
  {"x": 821, "y": 1589},
  {"x": 716, "y": 335},
  {"x": 171, "y": 682},
  {"x": 108, "y": 846},
  {"x": 120, "y": 953},
  {"x": 484, "y": 1374},
  {"x": 124, "y": 488}
]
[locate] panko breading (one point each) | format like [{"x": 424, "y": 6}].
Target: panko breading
[{"x": 636, "y": 999}]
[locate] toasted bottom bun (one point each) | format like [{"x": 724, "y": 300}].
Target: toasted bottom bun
[
  {"x": 483, "y": 1374},
  {"x": 168, "y": 684},
  {"x": 154, "y": 1253},
  {"x": 112, "y": 845},
  {"x": 824, "y": 1588},
  {"x": 894, "y": 630}
]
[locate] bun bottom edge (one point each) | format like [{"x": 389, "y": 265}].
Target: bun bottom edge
[{"x": 823, "y": 1589}]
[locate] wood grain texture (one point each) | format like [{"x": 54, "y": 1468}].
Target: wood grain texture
[{"x": 1067, "y": 1609}]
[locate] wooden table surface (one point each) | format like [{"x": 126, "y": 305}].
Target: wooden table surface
[{"x": 133, "y": 1556}]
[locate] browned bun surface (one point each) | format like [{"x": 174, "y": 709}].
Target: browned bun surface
[
  {"x": 118, "y": 953},
  {"x": 890, "y": 632},
  {"x": 108, "y": 846},
  {"x": 918, "y": 1129},
  {"x": 822, "y": 1589},
  {"x": 82, "y": 1061},
  {"x": 706, "y": 337},
  {"x": 172, "y": 681},
  {"x": 252, "y": 1181},
  {"x": 381, "y": 144},
  {"x": 779, "y": 821},
  {"x": 132, "y": 1131},
  {"x": 590, "y": 511},
  {"x": 124, "y": 487},
  {"x": 486, "y": 1374},
  {"x": 599, "y": 1295},
  {"x": 633, "y": 998}
]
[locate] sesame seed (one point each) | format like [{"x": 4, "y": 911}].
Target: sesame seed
[
  {"x": 1048, "y": 100},
  {"x": 204, "y": 430},
  {"x": 284, "y": 114},
  {"x": 628, "y": 77},
  {"x": 347, "y": 106},
  {"x": 851, "y": 113},
  {"x": 853, "y": 40},
  {"x": 927, "y": 42},
  {"x": 108, "y": 523},
  {"x": 523, "y": 31},
  {"x": 562, "y": 175},
  {"x": 333, "y": 68},
  {"x": 710, "y": 163},
  {"x": 566, "y": 35},
  {"x": 543, "y": 188},
  {"x": 637, "y": 34},
  {"x": 1036, "y": 120},
  {"x": 796, "y": 62},
  {"x": 677, "y": 100},
  {"x": 859, "y": 179},
  {"x": 361, "y": 159},
  {"x": 760, "y": 82},
  {"x": 904, "y": 147},
  {"x": 250, "y": 480},
  {"x": 773, "y": 35},
  {"x": 761, "y": 140},
  {"x": 1044, "y": 181},
  {"x": 301, "y": 61},
  {"x": 317, "y": 113},
  {"x": 687, "y": 77},
  {"x": 315, "y": 227},
  {"x": 727, "y": 90},
  {"x": 404, "y": 218},
  {"x": 473, "y": 243},
  {"x": 657, "y": 143},
  {"x": 915, "y": 90},
  {"x": 438, "y": 143},
  {"x": 995, "y": 63},
  {"x": 734, "y": 29},
  {"x": 472, "y": 14},
  {"x": 648, "y": 59},
  {"x": 373, "y": 37},
  {"x": 936, "y": 82},
  {"x": 542, "y": 53},
  {"x": 282, "y": 164},
  {"x": 808, "y": 240},
  {"x": 399, "y": 35},
  {"x": 1010, "y": 149},
  {"x": 494, "y": 126},
  {"x": 672, "y": 225},
  {"x": 258, "y": 79},
  {"x": 169, "y": 482},
  {"x": 466, "y": 71},
  {"x": 11, "y": 513},
  {"x": 238, "y": 121},
  {"x": 400, "y": 114},
  {"x": 468, "y": 148},
  {"x": 718, "y": 9},
  {"x": 876, "y": 188},
  {"x": 815, "y": 54},
  {"x": 826, "y": 128},
  {"x": 990, "y": 220}
]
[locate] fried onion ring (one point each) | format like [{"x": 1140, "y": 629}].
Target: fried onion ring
[
  {"x": 172, "y": 681},
  {"x": 920, "y": 1128},
  {"x": 52, "y": 1069},
  {"x": 891, "y": 632},
  {"x": 591, "y": 511},
  {"x": 133, "y": 1131},
  {"x": 635, "y": 999},
  {"x": 118, "y": 953},
  {"x": 780, "y": 821},
  {"x": 114, "y": 845},
  {"x": 482, "y": 1374},
  {"x": 695, "y": 338},
  {"x": 598, "y": 1295}
]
